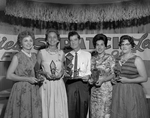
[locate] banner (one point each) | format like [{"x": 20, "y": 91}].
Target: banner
[{"x": 8, "y": 45}]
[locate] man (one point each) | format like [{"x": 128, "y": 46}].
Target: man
[{"x": 77, "y": 84}]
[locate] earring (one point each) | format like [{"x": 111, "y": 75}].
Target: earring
[{"x": 47, "y": 42}]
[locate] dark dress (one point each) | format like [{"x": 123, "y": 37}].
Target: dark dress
[
  {"x": 129, "y": 100},
  {"x": 24, "y": 100}
]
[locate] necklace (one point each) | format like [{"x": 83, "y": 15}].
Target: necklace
[
  {"x": 28, "y": 54},
  {"x": 52, "y": 52},
  {"x": 124, "y": 60}
]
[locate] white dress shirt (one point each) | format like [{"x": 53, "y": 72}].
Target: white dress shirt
[{"x": 83, "y": 64}]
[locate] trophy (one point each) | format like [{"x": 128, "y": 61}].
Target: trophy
[
  {"x": 95, "y": 74},
  {"x": 68, "y": 65},
  {"x": 53, "y": 69},
  {"x": 76, "y": 74},
  {"x": 117, "y": 70},
  {"x": 39, "y": 74}
]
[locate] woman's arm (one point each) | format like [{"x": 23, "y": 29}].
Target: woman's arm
[
  {"x": 38, "y": 65},
  {"x": 12, "y": 76},
  {"x": 39, "y": 60},
  {"x": 141, "y": 70}
]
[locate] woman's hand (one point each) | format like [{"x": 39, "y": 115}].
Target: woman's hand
[
  {"x": 32, "y": 80},
  {"x": 85, "y": 78},
  {"x": 61, "y": 74},
  {"x": 53, "y": 77},
  {"x": 48, "y": 76},
  {"x": 113, "y": 81},
  {"x": 99, "y": 82},
  {"x": 41, "y": 78},
  {"x": 123, "y": 80}
]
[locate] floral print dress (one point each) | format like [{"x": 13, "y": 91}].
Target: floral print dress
[
  {"x": 101, "y": 96},
  {"x": 24, "y": 100}
]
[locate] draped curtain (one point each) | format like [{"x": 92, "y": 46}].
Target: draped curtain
[{"x": 77, "y": 17}]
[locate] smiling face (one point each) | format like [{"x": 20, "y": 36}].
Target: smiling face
[
  {"x": 52, "y": 39},
  {"x": 126, "y": 47},
  {"x": 100, "y": 46},
  {"x": 27, "y": 43},
  {"x": 75, "y": 42}
]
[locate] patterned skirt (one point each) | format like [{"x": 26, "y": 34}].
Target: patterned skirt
[
  {"x": 101, "y": 101},
  {"x": 24, "y": 101}
]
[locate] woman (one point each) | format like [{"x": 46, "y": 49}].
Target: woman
[
  {"x": 101, "y": 92},
  {"x": 24, "y": 100},
  {"x": 53, "y": 91},
  {"x": 128, "y": 99}
]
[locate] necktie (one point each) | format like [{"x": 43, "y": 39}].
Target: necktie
[{"x": 75, "y": 65}]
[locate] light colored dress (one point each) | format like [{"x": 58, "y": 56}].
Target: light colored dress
[
  {"x": 24, "y": 100},
  {"x": 53, "y": 92},
  {"x": 101, "y": 96}
]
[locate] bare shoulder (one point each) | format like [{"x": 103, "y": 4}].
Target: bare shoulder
[
  {"x": 14, "y": 60},
  {"x": 18, "y": 56},
  {"x": 40, "y": 55},
  {"x": 138, "y": 60},
  {"x": 15, "y": 57},
  {"x": 62, "y": 52}
]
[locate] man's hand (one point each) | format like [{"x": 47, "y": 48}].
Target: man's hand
[
  {"x": 85, "y": 78},
  {"x": 91, "y": 81}
]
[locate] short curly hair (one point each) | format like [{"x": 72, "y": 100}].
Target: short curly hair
[
  {"x": 100, "y": 37},
  {"x": 24, "y": 34},
  {"x": 127, "y": 37},
  {"x": 72, "y": 33}
]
